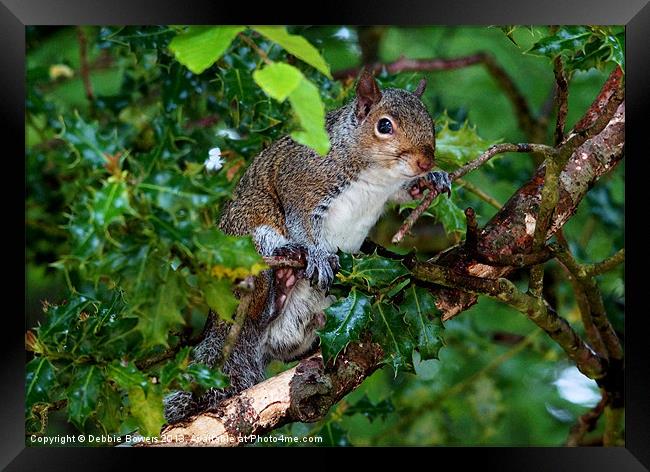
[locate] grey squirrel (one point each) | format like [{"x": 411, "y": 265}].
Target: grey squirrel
[{"x": 296, "y": 203}]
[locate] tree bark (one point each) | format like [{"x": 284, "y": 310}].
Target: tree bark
[{"x": 304, "y": 393}]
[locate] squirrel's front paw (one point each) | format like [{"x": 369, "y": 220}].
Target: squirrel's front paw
[
  {"x": 321, "y": 267},
  {"x": 440, "y": 181},
  {"x": 292, "y": 251}
]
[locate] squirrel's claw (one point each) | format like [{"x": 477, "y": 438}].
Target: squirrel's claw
[
  {"x": 440, "y": 181},
  {"x": 292, "y": 251},
  {"x": 321, "y": 267}
]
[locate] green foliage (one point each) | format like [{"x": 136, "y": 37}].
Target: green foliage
[
  {"x": 421, "y": 316},
  {"x": 457, "y": 147},
  {"x": 40, "y": 382},
  {"x": 122, "y": 237},
  {"x": 584, "y": 47},
  {"x": 199, "y": 47},
  {"x": 345, "y": 320},
  {"x": 207, "y": 377},
  {"x": 389, "y": 330},
  {"x": 372, "y": 271},
  {"x": 83, "y": 393},
  {"x": 444, "y": 210},
  {"x": 296, "y": 45},
  {"x": 278, "y": 80}
]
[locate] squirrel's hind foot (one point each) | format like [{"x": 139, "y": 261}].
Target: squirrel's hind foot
[{"x": 285, "y": 280}]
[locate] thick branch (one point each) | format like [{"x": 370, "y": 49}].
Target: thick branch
[
  {"x": 304, "y": 393},
  {"x": 511, "y": 230}
]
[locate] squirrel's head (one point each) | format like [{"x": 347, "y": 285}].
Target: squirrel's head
[{"x": 396, "y": 131}]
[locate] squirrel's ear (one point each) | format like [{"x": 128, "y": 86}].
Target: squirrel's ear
[
  {"x": 421, "y": 86},
  {"x": 368, "y": 94}
]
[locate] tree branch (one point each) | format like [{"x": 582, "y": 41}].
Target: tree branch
[
  {"x": 304, "y": 393},
  {"x": 533, "y": 128},
  {"x": 83, "y": 61}
]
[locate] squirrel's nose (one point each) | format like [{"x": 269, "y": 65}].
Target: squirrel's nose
[{"x": 424, "y": 164}]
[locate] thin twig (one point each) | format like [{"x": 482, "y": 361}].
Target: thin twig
[
  {"x": 246, "y": 288},
  {"x": 479, "y": 193},
  {"x": 256, "y": 48},
  {"x": 460, "y": 172},
  {"x": 595, "y": 299},
  {"x": 83, "y": 60},
  {"x": 586, "y": 423},
  {"x": 606, "y": 265},
  {"x": 593, "y": 335},
  {"x": 403, "y": 65},
  {"x": 561, "y": 99}
]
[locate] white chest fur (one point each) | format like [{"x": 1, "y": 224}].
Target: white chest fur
[{"x": 355, "y": 211}]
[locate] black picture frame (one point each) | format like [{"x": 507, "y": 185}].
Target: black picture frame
[{"x": 635, "y": 14}]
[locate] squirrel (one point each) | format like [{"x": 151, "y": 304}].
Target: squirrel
[{"x": 296, "y": 203}]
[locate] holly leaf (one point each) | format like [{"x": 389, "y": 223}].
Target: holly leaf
[
  {"x": 87, "y": 142},
  {"x": 374, "y": 271},
  {"x": 345, "y": 320},
  {"x": 390, "y": 330},
  {"x": 173, "y": 369},
  {"x": 567, "y": 39},
  {"x": 451, "y": 216},
  {"x": 444, "y": 210},
  {"x": 147, "y": 410},
  {"x": 55, "y": 330},
  {"x": 296, "y": 45},
  {"x": 127, "y": 376},
  {"x": 83, "y": 394},
  {"x": 40, "y": 382},
  {"x": 421, "y": 316},
  {"x": 219, "y": 296},
  {"x": 158, "y": 318},
  {"x": 110, "y": 412},
  {"x": 369, "y": 409},
  {"x": 455, "y": 148},
  {"x": 230, "y": 256},
  {"x": 199, "y": 47},
  {"x": 110, "y": 203}
]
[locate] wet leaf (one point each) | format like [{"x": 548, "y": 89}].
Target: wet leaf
[
  {"x": 40, "y": 382},
  {"x": 422, "y": 318},
  {"x": 345, "y": 320},
  {"x": 83, "y": 394},
  {"x": 390, "y": 330}
]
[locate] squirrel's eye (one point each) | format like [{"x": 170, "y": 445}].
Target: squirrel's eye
[{"x": 384, "y": 126}]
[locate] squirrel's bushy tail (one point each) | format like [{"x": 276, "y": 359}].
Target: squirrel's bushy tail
[{"x": 245, "y": 367}]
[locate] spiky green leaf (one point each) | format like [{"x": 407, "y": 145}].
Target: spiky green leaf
[{"x": 345, "y": 320}]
